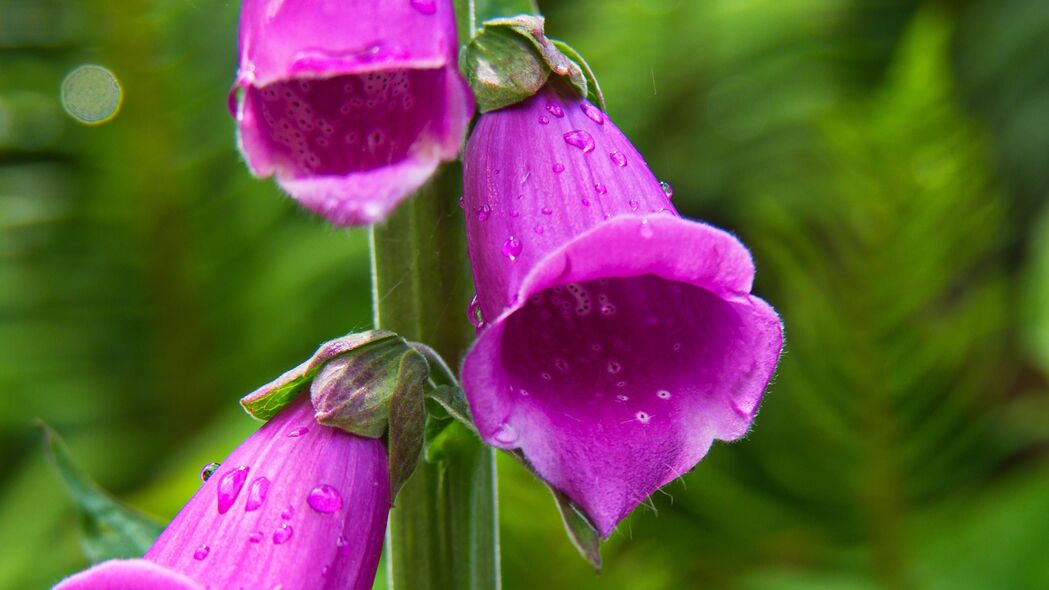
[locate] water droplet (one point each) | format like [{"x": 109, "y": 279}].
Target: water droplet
[
  {"x": 547, "y": 211},
  {"x": 255, "y": 537},
  {"x": 676, "y": 347},
  {"x": 646, "y": 229},
  {"x": 425, "y": 6},
  {"x": 620, "y": 383},
  {"x": 593, "y": 112},
  {"x": 325, "y": 499},
  {"x": 325, "y": 571},
  {"x": 298, "y": 432},
  {"x": 546, "y": 376},
  {"x": 539, "y": 229},
  {"x": 462, "y": 202},
  {"x": 617, "y": 158},
  {"x": 643, "y": 417},
  {"x": 257, "y": 494},
  {"x": 208, "y": 470},
  {"x": 558, "y": 167},
  {"x": 473, "y": 313},
  {"x": 201, "y": 552},
  {"x": 614, "y": 367},
  {"x": 585, "y": 201},
  {"x": 229, "y": 488},
  {"x": 555, "y": 109},
  {"x": 343, "y": 545},
  {"x": 288, "y": 512},
  {"x": 515, "y": 212},
  {"x": 282, "y": 534},
  {"x": 634, "y": 205},
  {"x": 663, "y": 394},
  {"x": 543, "y": 120},
  {"x": 622, "y": 397},
  {"x": 600, "y": 188},
  {"x": 512, "y": 248},
  {"x": 505, "y": 435},
  {"x": 483, "y": 213},
  {"x": 580, "y": 139},
  {"x": 668, "y": 190}
]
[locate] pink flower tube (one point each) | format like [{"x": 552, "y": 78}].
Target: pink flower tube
[
  {"x": 352, "y": 105},
  {"x": 621, "y": 339},
  {"x": 297, "y": 505}
]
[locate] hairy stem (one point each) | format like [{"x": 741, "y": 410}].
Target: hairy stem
[{"x": 443, "y": 531}]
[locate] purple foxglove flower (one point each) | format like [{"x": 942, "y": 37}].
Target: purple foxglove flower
[
  {"x": 352, "y": 105},
  {"x": 297, "y": 505},
  {"x": 621, "y": 339}
]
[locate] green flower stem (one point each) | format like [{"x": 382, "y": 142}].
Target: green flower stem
[{"x": 443, "y": 531}]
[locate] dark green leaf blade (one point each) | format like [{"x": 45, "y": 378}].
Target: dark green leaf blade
[{"x": 111, "y": 529}]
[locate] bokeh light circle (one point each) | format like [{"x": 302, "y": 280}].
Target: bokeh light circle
[{"x": 91, "y": 94}]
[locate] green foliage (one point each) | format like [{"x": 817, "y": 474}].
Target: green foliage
[
  {"x": 111, "y": 530},
  {"x": 885, "y": 161}
]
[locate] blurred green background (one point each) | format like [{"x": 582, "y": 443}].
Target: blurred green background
[{"x": 886, "y": 160}]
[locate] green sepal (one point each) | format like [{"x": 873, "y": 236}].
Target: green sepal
[
  {"x": 266, "y": 401},
  {"x": 111, "y": 530},
  {"x": 407, "y": 419},
  {"x": 354, "y": 391},
  {"x": 579, "y": 529},
  {"x": 581, "y": 532},
  {"x": 510, "y": 59},
  {"x": 593, "y": 90}
]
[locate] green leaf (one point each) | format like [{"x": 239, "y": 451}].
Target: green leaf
[
  {"x": 111, "y": 529},
  {"x": 502, "y": 68},
  {"x": 469, "y": 13},
  {"x": 454, "y": 401}
]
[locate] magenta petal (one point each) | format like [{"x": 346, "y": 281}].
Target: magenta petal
[
  {"x": 622, "y": 339},
  {"x": 127, "y": 574},
  {"x": 351, "y": 105},
  {"x": 305, "y": 506}
]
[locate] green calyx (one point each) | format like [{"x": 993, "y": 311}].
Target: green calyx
[{"x": 509, "y": 59}]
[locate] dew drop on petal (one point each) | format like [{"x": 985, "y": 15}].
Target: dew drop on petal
[
  {"x": 643, "y": 417},
  {"x": 558, "y": 167},
  {"x": 580, "y": 139},
  {"x": 257, "y": 494},
  {"x": 229, "y": 488},
  {"x": 600, "y": 188},
  {"x": 298, "y": 432},
  {"x": 555, "y": 110},
  {"x": 543, "y": 120},
  {"x": 208, "y": 470},
  {"x": 325, "y": 499},
  {"x": 539, "y": 229},
  {"x": 617, "y": 158},
  {"x": 255, "y": 537},
  {"x": 473, "y": 313},
  {"x": 425, "y": 6},
  {"x": 593, "y": 113},
  {"x": 622, "y": 397},
  {"x": 343, "y": 545},
  {"x": 288, "y": 512},
  {"x": 646, "y": 229},
  {"x": 614, "y": 367},
  {"x": 663, "y": 394},
  {"x": 462, "y": 202},
  {"x": 668, "y": 190},
  {"x": 512, "y": 248},
  {"x": 282, "y": 534},
  {"x": 585, "y": 201},
  {"x": 547, "y": 211},
  {"x": 634, "y": 205},
  {"x": 483, "y": 213},
  {"x": 505, "y": 435},
  {"x": 201, "y": 552}
]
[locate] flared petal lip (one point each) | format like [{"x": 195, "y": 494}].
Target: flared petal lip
[
  {"x": 125, "y": 574},
  {"x": 667, "y": 246}
]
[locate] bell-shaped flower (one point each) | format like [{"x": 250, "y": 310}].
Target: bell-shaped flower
[
  {"x": 352, "y": 105},
  {"x": 620, "y": 339},
  {"x": 297, "y": 505}
]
